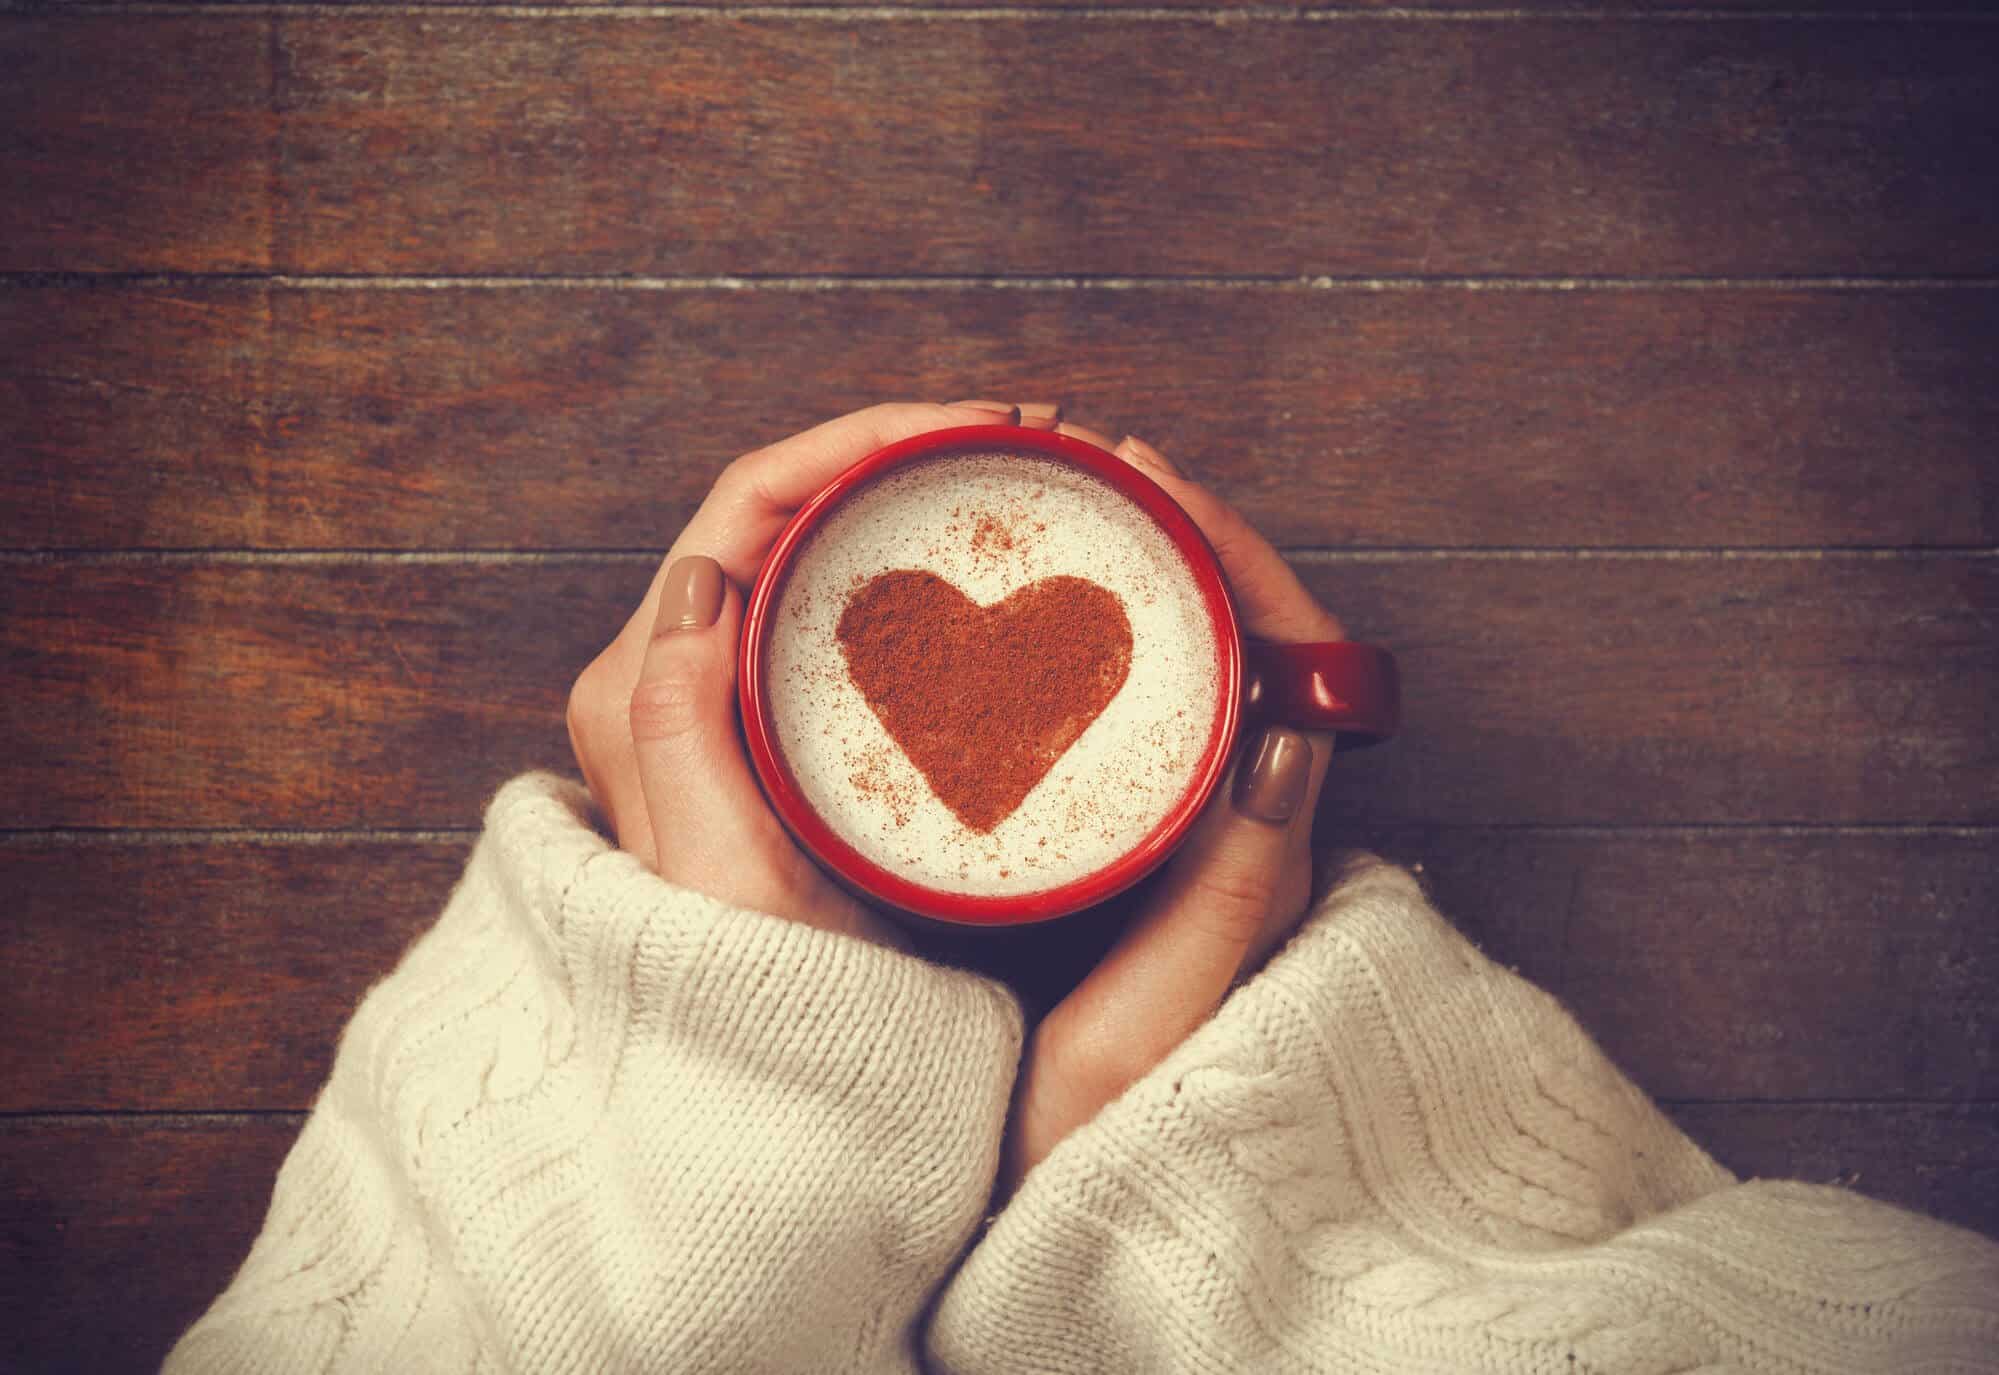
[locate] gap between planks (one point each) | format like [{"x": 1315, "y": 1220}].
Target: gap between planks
[
  {"x": 1301, "y": 555},
  {"x": 193, "y": 836},
  {"x": 925, "y": 14},
  {"x": 799, "y": 283},
  {"x": 28, "y": 1118}
]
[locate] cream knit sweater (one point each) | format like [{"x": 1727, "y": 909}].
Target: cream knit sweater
[{"x": 597, "y": 1123}]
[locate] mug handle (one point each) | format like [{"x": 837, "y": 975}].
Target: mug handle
[{"x": 1354, "y": 689}]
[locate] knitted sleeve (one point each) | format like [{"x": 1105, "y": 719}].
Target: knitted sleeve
[
  {"x": 593, "y": 1122},
  {"x": 1385, "y": 1153}
]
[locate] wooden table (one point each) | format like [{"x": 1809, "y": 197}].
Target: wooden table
[{"x": 1632, "y": 371}]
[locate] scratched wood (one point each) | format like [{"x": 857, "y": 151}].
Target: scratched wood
[
  {"x": 401, "y": 143},
  {"x": 1709, "y": 965},
  {"x": 475, "y": 418},
  {"x": 121, "y": 1231},
  {"x": 1557, "y": 690},
  {"x": 1402, "y": 7},
  {"x": 1940, "y": 1159},
  {"x": 133, "y": 142},
  {"x": 601, "y": 145},
  {"x": 1722, "y": 964},
  {"x": 132, "y": 1226},
  {"x": 218, "y": 976}
]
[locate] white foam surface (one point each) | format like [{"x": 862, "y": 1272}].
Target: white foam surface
[{"x": 1123, "y": 774}]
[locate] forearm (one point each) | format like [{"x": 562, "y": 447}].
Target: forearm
[
  {"x": 1385, "y": 1152},
  {"x": 595, "y": 1122}
]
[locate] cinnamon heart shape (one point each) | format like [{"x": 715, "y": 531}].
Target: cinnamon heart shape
[{"x": 984, "y": 699}]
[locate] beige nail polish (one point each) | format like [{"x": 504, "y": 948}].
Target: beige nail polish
[
  {"x": 1041, "y": 414},
  {"x": 1271, "y": 779},
  {"x": 1009, "y": 415},
  {"x": 1150, "y": 456},
  {"x": 690, "y": 597}
]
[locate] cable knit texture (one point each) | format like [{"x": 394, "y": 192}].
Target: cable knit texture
[
  {"x": 593, "y": 1122},
  {"x": 597, "y": 1123},
  {"x": 1386, "y": 1153}
]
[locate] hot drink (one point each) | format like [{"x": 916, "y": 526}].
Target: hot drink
[{"x": 991, "y": 673}]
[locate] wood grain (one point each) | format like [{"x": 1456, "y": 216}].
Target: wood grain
[
  {"x": 1942, "y": 1160},
  {"x": 1559, "y": 690},
  {"x": 118, "y": 1233},
  {"x": 1745, "y": 964},
  {"x": 122, "y": 1231},
  {"x": 700, "y": 145},
  {"x": 762, "y": 146},
  {"x": 478, "y": 418},
  {"x": 201, "y": 976},
  {"x": 1710, "y": 966},
  {"x": 135, "y": 142},
  {"x": 1402, "y": 8}
]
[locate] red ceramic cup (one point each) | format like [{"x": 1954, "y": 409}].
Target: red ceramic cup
[{"x": 1344, "y": 687}]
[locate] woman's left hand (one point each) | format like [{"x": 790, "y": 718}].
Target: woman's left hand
[{"x": 1230, "y": 894}]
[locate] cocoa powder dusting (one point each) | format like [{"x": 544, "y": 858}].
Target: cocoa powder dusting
[{"x": 984, "y": 699}]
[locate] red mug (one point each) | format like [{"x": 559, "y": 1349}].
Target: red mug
[{"x": 1343, "y": 687}]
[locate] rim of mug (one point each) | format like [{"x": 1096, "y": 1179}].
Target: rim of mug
[{"x": 872, "y": 880}]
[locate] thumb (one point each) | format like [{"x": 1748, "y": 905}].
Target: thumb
[
  {"x": 708, "y": 821},
  {"x": 1175, "y": 964}
]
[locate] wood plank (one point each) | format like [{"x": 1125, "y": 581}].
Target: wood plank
[
  {"x": 215, "y": 975},
  {"x": 93, "y": 1209},
  {"x": 1710, "y": 966},
  {"x": 1941, "y": 1160},
  {"x": 135, "y": 142},
  {"x": 1748, "y": 964},
  {"x": 120, "y": 1232},
  {"x": 1560, "y": 690},
  {"x": 1499, "y": 8},
  {"x": 474, "y": 418},
  {"x": 698, "y": 145},
  {"x": 869, "y": 147}
]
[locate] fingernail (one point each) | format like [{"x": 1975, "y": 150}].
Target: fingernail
[
  {"x": 1042, "y": 413},
  {"x": 691, "y": 596},
  {"x": 1148, "y": 455},
  {"x": 1270, "y": 781},
  {"x": 1000, "y": 408}
]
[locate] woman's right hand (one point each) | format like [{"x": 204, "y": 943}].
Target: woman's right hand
[{"x": 652, "y": 719}]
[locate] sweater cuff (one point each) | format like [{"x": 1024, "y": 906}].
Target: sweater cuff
[
  {"x": 1378, "y": 1093},
  {"x": 594, "y": 1121},
  {"x": 773, "y": 995}
]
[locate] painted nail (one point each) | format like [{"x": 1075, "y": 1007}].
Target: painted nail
[
  {"x": 691, "y": 596},
  {"x": 1270, "y": 781},
  {"x": 1149, "y": 456},
  {"x": 1042, "y": 415},
  {"x": 999, "y": 408}
]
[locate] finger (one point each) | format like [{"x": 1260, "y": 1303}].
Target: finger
[
  {"x": 1040, "y": 415},
  {"x": 1197, "y": 930},
  {"x": 708, "y": 824},
  {"x": 1087, "y": 435},
  {"x": 1273, "y": 603},
  {"x": 1008, "y": 413},
  {"x": 759, "y": 492}
]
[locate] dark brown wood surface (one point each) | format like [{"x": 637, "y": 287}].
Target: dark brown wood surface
[
  {"x": 1711, "y": 964},
  {"x": 134, "y": 1225},
  {"x": 1660, "y": 689},
  {"x": 696, "y": 144},
  {"x": 251, "y": 417},
  {"x": 1630, "y": 375}
]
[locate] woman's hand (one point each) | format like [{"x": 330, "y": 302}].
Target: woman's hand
[
  {"x": 1236, "y": 887},
  {"x": 653, "y": 718}
]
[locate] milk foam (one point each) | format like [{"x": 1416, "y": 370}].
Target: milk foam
[{"x": 990, "y": 524}]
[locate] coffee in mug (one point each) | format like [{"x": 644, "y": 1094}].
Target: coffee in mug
[{"x": 992, "y": 674}]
